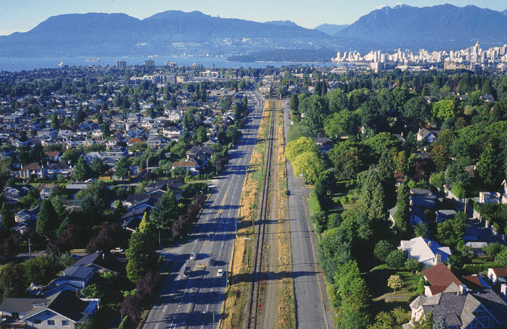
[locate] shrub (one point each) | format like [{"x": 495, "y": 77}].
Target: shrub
[
  {"x": 493, "y": 249},
  {"x": 382, "y": 250},
  {"x": 396, "y": 259}
]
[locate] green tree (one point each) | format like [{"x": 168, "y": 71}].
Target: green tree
[
  {"x": 13, "y": 281},
  {"x": 122, "y": 167},
  {"x": 416, "y": 109},
  {"x": 7, "y": 218},
  {"x": 92, "y": 291},
  {"x": 421, "y": 229},
  {"x": 490, "y": 168},
  {"x": 82, "y": 170},
  {"x": 334, "y": 251},
  {"x": 402, "y": 215},
  {"x": 352, "y": 296},
  {"x": 396, "y": 259},
  {"x": 298, "y": 130},
  {"x": 487, "y": 88},
  {"x": 140, "y": 255},
  {"x": 294, "y": 104},
  {"x": 97, "y": 168},
  {"x": 55, "y": 122},
  {"x": 372, "y": 200},
  {"x": 382, "y": 249},
  {"x": 501, "y": 258},
  {"x": 40, "y": 270},
  {"x": 444, "y": 110},
  {"x": 413, "y": 265},
  {"x": 71, "y": 155},
  {"x": 296, "y": 147},
  {"x": 201, "y": 135},
  {"x": 349, "y": 159},
  {"x": 385, "y": 171},
  {"x": 340, "y": 124},
  {"x": 337, "y": 100},
  {"x": 452, "y": 231},
  {"x": 47, "y": 220},
  {"x": 308, "y": 164},
  {"x": 165, "y": 211},
  {"x": 493, "y": 249},
  {"x": 424, "y": 322}
]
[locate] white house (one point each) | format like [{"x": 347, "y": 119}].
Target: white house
[{"x": 425, "y": 251}]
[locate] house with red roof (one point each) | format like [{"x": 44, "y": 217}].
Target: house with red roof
[
  {"x": 440, "y": 277},
  {"x": 498, "y": 274}
]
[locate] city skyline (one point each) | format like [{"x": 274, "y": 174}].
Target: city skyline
[{"x": 22, "y": 16}]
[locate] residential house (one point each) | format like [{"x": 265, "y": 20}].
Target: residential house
[
  {"x": 55, "y": 170},
  {"x": 487, "y": 98},
  {"x": 12, "y": 193},
  {"x": 133, "y": 141},
  {"x": 444, "y": 214},
  {"x": 171, "y": 132},
  {"x": 426, "y": 135},
  {"x": 422, "y": 198},
  {"x": 31, "y": 170},
  {"x": 52, "y": 156},
  {"x": 60, "y": 311},
  {"x": 164, "y": 185},
  {"x": 494, "y": 197},
  {"x": 439, "y": 277},
  {"x": 72, "y": 279},
  {"x": 101, "y": 261},
  {"x": 156, "y": 143},
  {"x": 498, "y": 274},
  {"x": 132, "y": 218},
  {"x": 461, "y": 309},
  {"x": 190, "y": 166},
  {"x": 27, "y": 215},
  {"x": 425, "y": 251},
  {"x": 45, "y": 190}
]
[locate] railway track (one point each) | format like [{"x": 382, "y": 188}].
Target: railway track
[{"x": 259, "y": 227}]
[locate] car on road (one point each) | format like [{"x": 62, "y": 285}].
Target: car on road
[
  {"x": 187, "y": 272},
  {"x": 220, "y": 272},
  {"x": 193, "y": 256},
  {"x": 212, "y": 262}
]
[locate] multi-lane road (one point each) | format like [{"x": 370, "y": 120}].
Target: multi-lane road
[
  {"x": 195, "y": 300},
  {"x": 312, "y": 306}
]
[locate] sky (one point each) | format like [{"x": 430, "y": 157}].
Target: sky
[{"x": 23, "y": 15}]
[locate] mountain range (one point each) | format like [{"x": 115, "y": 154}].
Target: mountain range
[{"x": 176, "y": 33}]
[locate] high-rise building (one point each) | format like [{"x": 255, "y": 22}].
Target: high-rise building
[
  {"x": 121, "y": 64},
  {"x": 149, "y": 63}
]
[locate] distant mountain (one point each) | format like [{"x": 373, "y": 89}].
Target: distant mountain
[
  {"x": 166, "y": 33},
  {"x": 438, "y": 27},
  {"x": 194, "y": 33},
  {"x": 283, "y": 23},
  {"x": 330, "y": 29}
]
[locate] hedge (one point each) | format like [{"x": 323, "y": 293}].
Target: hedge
[
  {"x": 314, "y": 204},
  {"x": 475, "y": 268}
]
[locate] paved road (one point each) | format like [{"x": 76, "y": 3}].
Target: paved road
[
  {"x": 312, "y": 306},
  {"x": 196, "y": 301}
]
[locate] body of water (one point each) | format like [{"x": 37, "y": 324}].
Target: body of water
[{"x": 27, "y": 64}]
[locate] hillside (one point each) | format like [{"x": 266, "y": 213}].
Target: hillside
[{"x": 438, "y": 27}]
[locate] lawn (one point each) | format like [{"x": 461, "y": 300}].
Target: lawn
[{"x": 383, "y": 298}]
